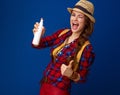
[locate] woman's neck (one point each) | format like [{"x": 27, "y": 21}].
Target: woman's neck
[{"x": 73, "y": 37}]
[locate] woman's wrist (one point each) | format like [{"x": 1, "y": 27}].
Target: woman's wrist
[{"x": 75, "y": 76}]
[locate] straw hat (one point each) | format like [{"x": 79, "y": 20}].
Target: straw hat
[{"x": 85, "y": 7}]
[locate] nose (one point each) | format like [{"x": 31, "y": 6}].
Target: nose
[{"x": 75, "y": 18}]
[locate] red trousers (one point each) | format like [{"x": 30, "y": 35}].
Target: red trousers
[{"x": 48, "y": 89}]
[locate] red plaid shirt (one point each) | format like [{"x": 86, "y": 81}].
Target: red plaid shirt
[{"x": 52, "y": 72}]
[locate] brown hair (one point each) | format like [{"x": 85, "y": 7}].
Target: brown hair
[
  {"x": 84, "y": 36},
  {"x": 88, "y": 30}
]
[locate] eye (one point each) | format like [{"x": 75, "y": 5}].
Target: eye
[
  {"x": 81, "y": 16},
  {"x": 73, "y": 14}
]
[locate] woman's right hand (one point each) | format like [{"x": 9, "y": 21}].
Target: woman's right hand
[{"x": 35, "y": 29}]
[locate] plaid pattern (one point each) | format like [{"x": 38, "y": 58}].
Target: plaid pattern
[{"x": 52, "y": 72}]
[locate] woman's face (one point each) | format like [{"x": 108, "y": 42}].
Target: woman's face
[{"x": 77, "y": 21}]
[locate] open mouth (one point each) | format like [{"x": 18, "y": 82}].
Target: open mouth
[{"x": 75, "y": 26}]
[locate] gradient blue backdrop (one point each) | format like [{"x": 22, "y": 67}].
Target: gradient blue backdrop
[{"x": 21, "y": 66}]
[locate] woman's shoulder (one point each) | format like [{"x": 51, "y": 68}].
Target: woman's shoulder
[{"x": 61, "y": 31}]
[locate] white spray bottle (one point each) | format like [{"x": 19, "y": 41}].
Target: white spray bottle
[{"x": 38, "y": 34}]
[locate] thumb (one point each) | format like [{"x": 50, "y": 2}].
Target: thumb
[{"x": 70, "y": 64}]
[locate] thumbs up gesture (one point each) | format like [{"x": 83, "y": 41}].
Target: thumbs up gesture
[{"x": 66, "y": 70}]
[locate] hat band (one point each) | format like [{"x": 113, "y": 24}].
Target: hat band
[{"x": 83, "y": 9}]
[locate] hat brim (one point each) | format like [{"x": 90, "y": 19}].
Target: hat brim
[{"x": 75, "y": 9}]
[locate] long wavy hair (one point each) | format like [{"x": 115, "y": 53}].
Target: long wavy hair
[
  {"x": 88, "y": 30},
  {"x": 85, "y": 35}
]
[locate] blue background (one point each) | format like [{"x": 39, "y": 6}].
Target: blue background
[{"x": 21, "y": 66}]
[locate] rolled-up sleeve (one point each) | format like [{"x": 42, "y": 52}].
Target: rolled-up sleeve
[{"x": 48, "y": 40}]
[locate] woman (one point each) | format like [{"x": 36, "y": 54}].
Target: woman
[{"x": 60, "y": 71}]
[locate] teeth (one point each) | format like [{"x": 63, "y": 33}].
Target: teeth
[{"x": 75, "y": 24}]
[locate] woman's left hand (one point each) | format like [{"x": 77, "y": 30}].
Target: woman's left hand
[{"x": 67, "y": 70}]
